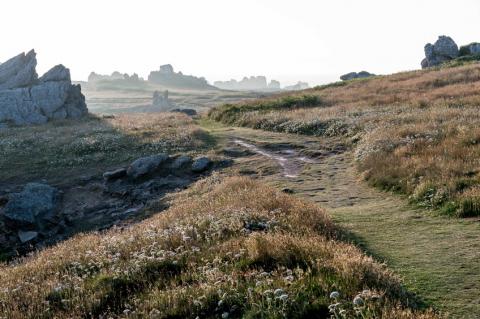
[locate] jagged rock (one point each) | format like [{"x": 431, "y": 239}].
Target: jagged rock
[
  {"x": 146, "y": 165},
  {"x": 19, "y": 71},
  {"x": 51, "y": 97},
  {"x": 26, "y": 236},
  {"x": 253, "y": 83},
  {"x": 355, "y": 75},
  {"x": 35, "y": 205},
  {"x": 115, "y": 174},
  {"x": 201, "y": 164},
  {"x": 443, "y": 50}
]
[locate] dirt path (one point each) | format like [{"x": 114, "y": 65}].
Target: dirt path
[{"x": 438, "y": 258}]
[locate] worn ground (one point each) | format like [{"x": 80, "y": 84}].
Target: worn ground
[{"x": 437, "y": 257}]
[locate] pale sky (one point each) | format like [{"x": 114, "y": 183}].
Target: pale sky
[{"x": 313, "y": 41}]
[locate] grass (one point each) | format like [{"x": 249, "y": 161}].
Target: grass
[
  {"x": 68, "y": 148},
  {"x": 227, "y": 247},
  {"x": 413, "y": 132}
]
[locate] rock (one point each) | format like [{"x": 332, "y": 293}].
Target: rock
[
  {"x": 35, "y": 205},
  {"x": 57, "y": 73},
  {"x": 189, "y": 112},
  {"x": 161, "y": 100},
  {"x": 274, "y": 85},
  {"x": 145, "y": 165},
  {"x": 443, "y": 50},
  {"x": 37, "y": 101},
  {"x": 201, "y": 164},
  {"x": 470, "y": 49},
  {"x": 115, "y": 174},
  {"x": 26, "y": 236},
  {"x": 355, "y": 75},
  {"x": 166, "y": 76},
  {"x": 181, "y": 162},
  {"x": 19, "y": 71},
  {"x": 299, "y": 86}
]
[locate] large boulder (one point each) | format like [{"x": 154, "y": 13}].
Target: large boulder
[
  {"x": 443, "y": 50},
  {"x": 25, "y": 99},
  {"x": 470, "y": 49},
  {"x": 146, "y": 165},
  {"x": 36, "y": 205}
]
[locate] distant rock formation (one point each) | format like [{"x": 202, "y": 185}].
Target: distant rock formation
[
  {"x": 115, "y": 76},
  {"x": 355, "y": 75},
  {"x": 274, "y": 85},
  {"x": 26, "y": 99},
  {"x": 166, "y": 76},
  {"x": 443, "y": 50},
  {"x": 299, "y": 86},
  {"x": 161, "y": 100},
  {"x": 252, "y": 83}
]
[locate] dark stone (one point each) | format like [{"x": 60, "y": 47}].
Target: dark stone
[
  {"x": 201, "y": 164},
  {"x": 115, "y": 174}
]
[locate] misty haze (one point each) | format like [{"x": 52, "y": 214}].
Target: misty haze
[{"x": 240, "y": 159}]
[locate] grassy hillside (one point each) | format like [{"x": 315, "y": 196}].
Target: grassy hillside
[
  {"x": 226, "y": 248},
  {"x": 415, "y": 132}
]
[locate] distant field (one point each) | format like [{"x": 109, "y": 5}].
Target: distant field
[
  {"x": 415, "y": 132},
  {"x": 118, "y": 99}
]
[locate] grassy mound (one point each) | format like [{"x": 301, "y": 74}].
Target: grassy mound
[
  {"x": 417, "y": 132},
  {"x": 227, "y": 248},
  {"x": 66, "y": 148}
]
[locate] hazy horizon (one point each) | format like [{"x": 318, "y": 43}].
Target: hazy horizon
[{"x": 219, "y": 40}]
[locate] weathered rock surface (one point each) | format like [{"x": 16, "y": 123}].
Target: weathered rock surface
[
  {"x": 34, "y": 206},
  {"x": 443, "y": 50},
  {"x": 19, "y": 71},
  {"x": 355, "y": 75},
  {"x": 26, "y": 236},
  {"x": 181, "y": 162},
  {"x": 470, "y": 49},
  {"x": 145, "y": 165},
  {"x": 201, "y": 164},
  {"x": 25, "y": 99},
  {"x": 115, "y": 174}
]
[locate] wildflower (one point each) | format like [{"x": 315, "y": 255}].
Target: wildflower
[
  {"x": 278, "y": 292},
  {"x": 358, "y": 301},
  {"x": 335, "y": 295}
]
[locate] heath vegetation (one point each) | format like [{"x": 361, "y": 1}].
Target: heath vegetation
[{"x": 414, "y": 132}]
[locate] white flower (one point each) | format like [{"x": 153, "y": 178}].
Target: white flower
[
  {"x": 278, "y": 292},
  {"x": 358, "y": 301},
  {"x": 335, "y": 295}
]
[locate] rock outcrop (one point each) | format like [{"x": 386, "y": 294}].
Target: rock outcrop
[
  {"x": 355, "y": 75},
  {"x": 33, "y": 207},
  {"x": 166, "y": 76},
  {"x": 161, "y": 100},
  {"x": 299, "y": 86},
  {"x": 26, "y": 99},
  {"x": 443, "y": 50},
  {"x": 470, "y": 49}
]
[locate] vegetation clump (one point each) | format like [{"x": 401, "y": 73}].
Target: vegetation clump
[
  {"x": 408, "y": 130},
  {"x": 199, "y": 259}
]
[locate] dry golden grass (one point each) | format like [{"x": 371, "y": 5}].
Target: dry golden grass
[
  {"x": 416, "y": 132},
  {"x": 227, "y": 248}
]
